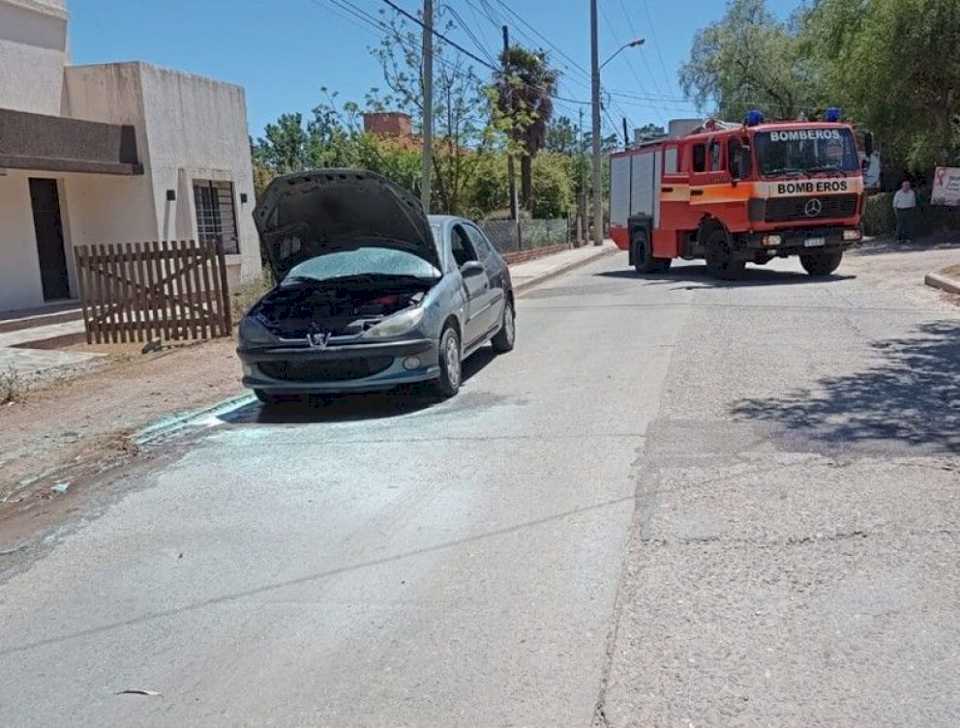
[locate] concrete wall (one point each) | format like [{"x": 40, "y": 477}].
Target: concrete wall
[
  {"x": 20, "y": 285},
  {"x": 33, "y": 46},
  {"x": 104, "y": 208},
  {"x": 197, "y": 129}
]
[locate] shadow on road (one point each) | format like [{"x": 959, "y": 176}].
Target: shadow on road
[
  {"x": 699, "y": 274},
  {"x": 353, "y": 407},
  {"x": 910, "y": 398}
]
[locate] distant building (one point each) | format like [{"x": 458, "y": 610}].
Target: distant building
[
  {"x": 111, "y": 153},
  {"x": 388, "y": 124}
]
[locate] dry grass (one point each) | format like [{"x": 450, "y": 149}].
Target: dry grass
[
  {"x": 13, "y": 388},
  {"x": 244, "y": 296}
]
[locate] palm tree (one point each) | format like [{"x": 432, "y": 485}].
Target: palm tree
[{"x": 524, "y": 97}]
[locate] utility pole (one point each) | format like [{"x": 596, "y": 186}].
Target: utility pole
[
  {"x": 425, "y": 187},
  {"x": 511, "y": 174},
  {"x": 582, "y": 230},
  {"x": 595, "y": 88}
]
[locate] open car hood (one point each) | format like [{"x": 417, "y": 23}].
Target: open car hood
[{"x": 308, "y": 214}]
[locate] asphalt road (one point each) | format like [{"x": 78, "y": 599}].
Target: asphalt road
[{"x": 677, "y": 503}]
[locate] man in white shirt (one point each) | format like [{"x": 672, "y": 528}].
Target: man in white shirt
[{"x": 904, "y": 204}]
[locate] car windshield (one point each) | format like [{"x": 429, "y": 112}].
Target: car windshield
[
  {"x": 369, "y": 261},
  {"x": 806, "y": 151}
]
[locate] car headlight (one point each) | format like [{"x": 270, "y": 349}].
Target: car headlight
[
  {"x": 396, "y": 325},
  {"x": 254, "y": 332}
]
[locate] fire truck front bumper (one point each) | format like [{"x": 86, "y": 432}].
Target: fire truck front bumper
[{"x": 797, "y": 241}]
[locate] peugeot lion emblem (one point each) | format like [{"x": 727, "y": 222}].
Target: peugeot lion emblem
[
  {"x": 813, "y": 208},
  {"x": 318, "y": 339}
]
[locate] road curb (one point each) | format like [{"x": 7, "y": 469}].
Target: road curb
[
  {"x": 174, "y": 424},
  {"x": 526, "y": 285},
  {"x": 944, "y": 283}
]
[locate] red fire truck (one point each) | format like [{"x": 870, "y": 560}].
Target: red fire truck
[{"x": 740, "y": 193}]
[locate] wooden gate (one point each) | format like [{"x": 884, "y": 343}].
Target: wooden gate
[{"x": 145, "y": 291}]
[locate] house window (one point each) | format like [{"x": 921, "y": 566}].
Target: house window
[{"x": 216, "y": 217}]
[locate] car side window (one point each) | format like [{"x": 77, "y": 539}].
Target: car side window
[
  {"x": 480, "y": 243},
  {"x": 699, "y": 158},
  {"x": 716, "y": 156},
  {"x": 460, "y": 246}
]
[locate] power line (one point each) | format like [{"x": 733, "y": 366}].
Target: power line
[
  {"x": 656, "y": 43},
  {"x": 441, "y": 36},
  {"x": 544, "y": 38},
  {"x": 358, "y": 15},
  {"x": 469, "y": 31}
]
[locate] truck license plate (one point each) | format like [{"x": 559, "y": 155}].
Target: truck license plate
[{"x": 814, "y": 242}]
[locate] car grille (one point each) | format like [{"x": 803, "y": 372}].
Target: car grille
[
  {"x": 794, "y": 208},
  {"x": 333, "y": 370}
]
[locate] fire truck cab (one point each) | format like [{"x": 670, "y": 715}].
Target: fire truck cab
[{"x": 739, "y": 193}]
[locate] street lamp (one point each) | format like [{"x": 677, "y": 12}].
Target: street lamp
[
  {"x": 632, "y": 44},
  {"x": 595, "y": 67}
]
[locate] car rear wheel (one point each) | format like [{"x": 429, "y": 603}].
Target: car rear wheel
[
  {"x": 643, "y": 260},
  {"x": 821, "y": 264},
  {"x": 503, "y": 341},
  {"x": 451, "y": 365}
]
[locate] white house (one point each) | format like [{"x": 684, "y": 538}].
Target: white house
[{"x": 112, "y": 153}]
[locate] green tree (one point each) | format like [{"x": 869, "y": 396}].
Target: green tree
[
  {"x": 893, "y": 65},
  {"x": 650, "y": 131},
  {"x": 459, "y": 110},
  {"x": 283, "y": 147},
  {"x": 562, "y": 136},
  {"x": 747, "y": 60},
  {"x": 553, "y": 181},
  {"x": 523, "y": 106}
]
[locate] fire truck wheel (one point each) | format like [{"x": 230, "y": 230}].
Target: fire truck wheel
[
  {"x": 821, "y": 264},
  {"x": 719, "y": 257},
  {"x": 643, "y": 260}
]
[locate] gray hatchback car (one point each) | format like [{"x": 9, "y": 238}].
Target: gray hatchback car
[{"x": 371, "y": 292}]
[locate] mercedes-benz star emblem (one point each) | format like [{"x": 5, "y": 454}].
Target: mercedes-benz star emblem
[{"x": 813, "y": 207}]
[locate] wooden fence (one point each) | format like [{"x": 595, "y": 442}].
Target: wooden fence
[{"x": 145, "y": 291}]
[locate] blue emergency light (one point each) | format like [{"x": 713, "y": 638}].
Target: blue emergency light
[
  {"x": 754, "y": 117},
  {"x": 832, "y": 114}
]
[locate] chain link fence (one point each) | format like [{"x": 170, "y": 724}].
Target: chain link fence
[{"x": 509, "y": 236}]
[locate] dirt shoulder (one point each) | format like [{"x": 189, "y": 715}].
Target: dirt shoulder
[{"x": 72, "y": 430}]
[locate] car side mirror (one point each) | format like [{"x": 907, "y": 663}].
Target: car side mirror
[{"x": 471, "y": 268}]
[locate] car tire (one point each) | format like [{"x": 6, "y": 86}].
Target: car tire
[
  {"x": 643, "y": 260},
  {"x": 720, "y": 261},
  {"x": 451, "y": 363},
  {"x": 821, "y": 264},
  {"x": 506, "y": 336}
]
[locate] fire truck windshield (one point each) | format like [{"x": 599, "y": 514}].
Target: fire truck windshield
[{"x": 805, "y": 152}]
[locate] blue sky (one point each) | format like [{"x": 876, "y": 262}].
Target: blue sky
[{"x": 284, "y": 51}]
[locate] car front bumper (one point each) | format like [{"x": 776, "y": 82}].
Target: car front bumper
[
  {"x": 794, "y": 241},
  {"x": 350, "y": 368}
]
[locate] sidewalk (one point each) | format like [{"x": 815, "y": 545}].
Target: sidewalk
[{"x": 534, "y": 272}]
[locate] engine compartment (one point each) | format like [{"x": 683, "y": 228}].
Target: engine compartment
[{"x": 340, "y": 309}]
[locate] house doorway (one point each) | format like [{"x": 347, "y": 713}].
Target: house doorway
[{"x": 49, "y": 229}]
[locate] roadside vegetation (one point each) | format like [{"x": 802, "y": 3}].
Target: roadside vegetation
[{"x": 13, "y": 388}]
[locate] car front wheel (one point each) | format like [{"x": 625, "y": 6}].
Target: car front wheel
[
  {"x": 503, "y": 341},
  {"x": 821, "y": 264},
  {"x": 451, "y": 365}
]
